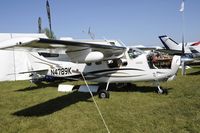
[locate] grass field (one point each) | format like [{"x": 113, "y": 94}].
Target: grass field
[{"x": 43, "y": 109}]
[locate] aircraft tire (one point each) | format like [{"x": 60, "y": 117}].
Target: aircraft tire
[
  {"x": 104, "y": 94},
  {"x": 164, "y": 91}
]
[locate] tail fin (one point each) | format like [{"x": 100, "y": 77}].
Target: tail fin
[{"x": 169, "y": 43}]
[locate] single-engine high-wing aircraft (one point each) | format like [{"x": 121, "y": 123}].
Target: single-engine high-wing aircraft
[
  {"x": 106, "y": 63},
  {"x": 190, "y": 51}
]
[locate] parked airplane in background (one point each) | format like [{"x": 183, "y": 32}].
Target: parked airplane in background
[
  {"x": 192, "y": 48},
  {"x": 190, "y": 51},
  {"x": 102, "y": 63}
]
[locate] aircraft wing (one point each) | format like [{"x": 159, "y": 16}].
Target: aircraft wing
[
  {"x": 76, "y": 50},
  {"x": 144, "y": 48}
]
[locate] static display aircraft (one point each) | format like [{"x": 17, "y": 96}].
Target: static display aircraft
[
  {"x": 190, "y": 48},
  {"x": 190, "y": 51},
  {"x": 102, "y": 63}
]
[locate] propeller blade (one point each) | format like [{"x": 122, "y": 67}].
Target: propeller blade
[
  {"x": 183, "y": 58},
  {"x": 183, "y": 67},
  {"x": 183, "y": 49}
]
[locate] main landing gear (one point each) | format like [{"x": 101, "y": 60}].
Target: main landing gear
[{"x": 102, "y": 92}]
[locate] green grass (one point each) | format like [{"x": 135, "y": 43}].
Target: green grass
[{"x": 27, "y": 109}]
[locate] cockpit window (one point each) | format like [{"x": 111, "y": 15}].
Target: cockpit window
[
  {"x": 48, "y": 54},
  {"x": 112, "y": 43},
  {"x": 133, "y": 53}
]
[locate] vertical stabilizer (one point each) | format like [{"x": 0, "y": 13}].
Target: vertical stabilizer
[{"x": 169, "y": 43}]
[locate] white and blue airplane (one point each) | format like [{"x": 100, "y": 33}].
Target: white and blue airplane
[
  {"x": 190, "y": 51},
  {"x": 98, "y": 62}
]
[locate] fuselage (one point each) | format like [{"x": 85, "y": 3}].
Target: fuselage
[{"x": 133, "y": 66}]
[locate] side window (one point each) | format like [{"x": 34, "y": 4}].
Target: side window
[
  {"x": 133, "y": 53},
  {"x": 48, "y": 54}
]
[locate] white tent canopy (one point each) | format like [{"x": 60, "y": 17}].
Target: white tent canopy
[{"x": 13, "y": 62}]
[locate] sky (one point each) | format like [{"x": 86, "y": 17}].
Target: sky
[{"x": 135, "y": 22}]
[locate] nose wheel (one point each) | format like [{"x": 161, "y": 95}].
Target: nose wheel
[{"x": 161, "y": 90}]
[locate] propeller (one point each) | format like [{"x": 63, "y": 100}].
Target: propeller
[
  {"x": 183, "y": 67},
  {"x": 183, "y": 59}
]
